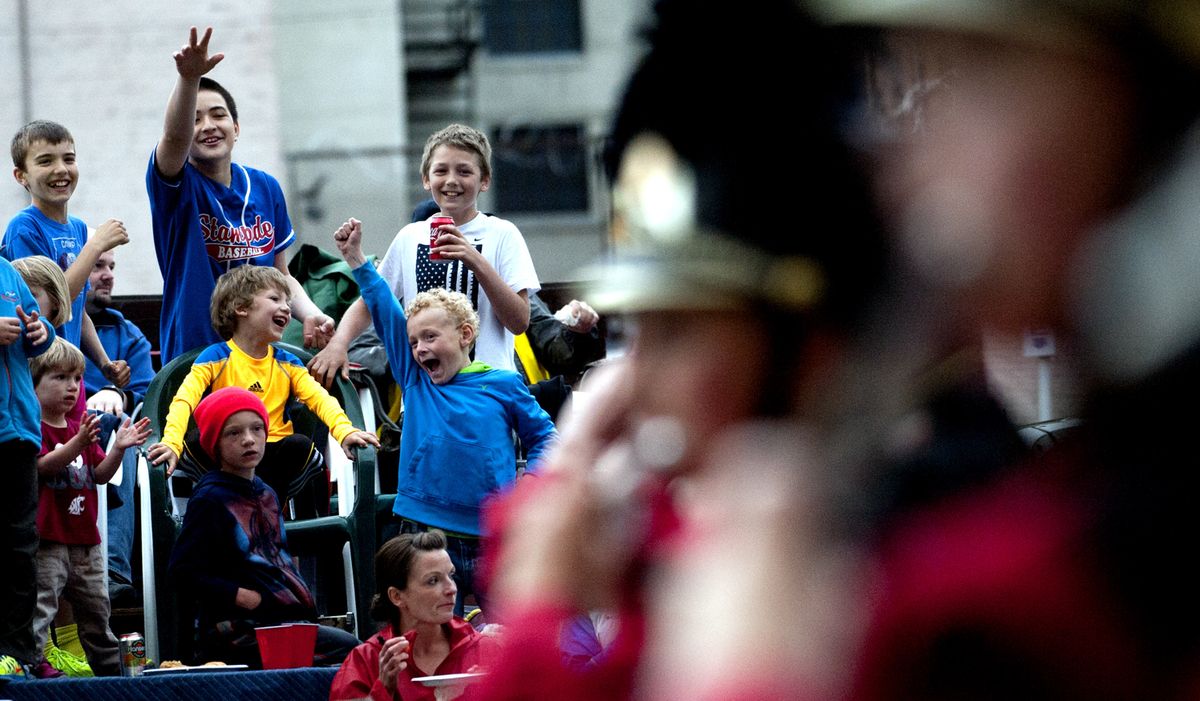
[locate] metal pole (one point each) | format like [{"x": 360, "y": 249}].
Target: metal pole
[
  {"x": 23, "y": 59},
  {"x": 1045, "y": 410}
]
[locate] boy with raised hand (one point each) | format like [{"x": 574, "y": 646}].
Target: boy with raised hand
[
  {"x": 456, "y": 444},
  {"x": 211, "y": 215},
  {"x": 22, "y": 335},
  {"x": 479, "y": 253},
  {"x": 70, "y": 561},
  {"x": 231, "y": 554},
  {"x": 250, "y": 307},
  {"x": 44, "y": 163}
]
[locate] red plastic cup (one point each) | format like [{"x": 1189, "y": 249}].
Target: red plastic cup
[
  {"x": 287, "y": 646},
  {"x": 435, "y": 225}
]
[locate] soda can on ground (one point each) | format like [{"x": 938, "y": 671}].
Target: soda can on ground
[{"x": 133, "y": 654}]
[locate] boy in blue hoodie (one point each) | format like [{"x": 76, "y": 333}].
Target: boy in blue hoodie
[
  {"x": 22, "y": 336},
  {"x": 459, "y": 416}
]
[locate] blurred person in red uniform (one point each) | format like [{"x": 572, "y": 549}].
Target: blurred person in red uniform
[
  {"x": 746, "y": 248},
  {"x": 1042, "y": 174}
]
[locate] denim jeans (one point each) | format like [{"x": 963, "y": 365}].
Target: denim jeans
[
  {"x": 464, "y": 555},
  {"x": 120, "y": 518}
]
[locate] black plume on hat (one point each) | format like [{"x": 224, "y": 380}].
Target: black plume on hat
[{"x": 745, "y": 94}]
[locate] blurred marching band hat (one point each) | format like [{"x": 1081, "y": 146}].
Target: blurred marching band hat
[
  {"x": 1173, "y": 24},
  {"x": 723, "y": 197}
]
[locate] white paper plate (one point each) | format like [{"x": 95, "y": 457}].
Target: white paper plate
[
  {"x": 448, "y": 679},
  {"x": 199, "y": 668}
]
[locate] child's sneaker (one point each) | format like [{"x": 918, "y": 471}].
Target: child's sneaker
[
  {"x": 67, "y": 662},
  {"x": 45, "y": 670},
  {"x": 9, "y": 667}
]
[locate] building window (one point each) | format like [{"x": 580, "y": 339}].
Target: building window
[
  {"x": 531, "y": 26},
  {"x": 540, "y": 169}
]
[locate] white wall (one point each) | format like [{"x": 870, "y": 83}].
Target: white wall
[
  {"x": 343, "y": 117},
  {"x": 570, "y": 88},
  {"x": 104, "y": 70}
]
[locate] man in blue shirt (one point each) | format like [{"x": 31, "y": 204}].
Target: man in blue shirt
[{"x": 122, "y": 340}]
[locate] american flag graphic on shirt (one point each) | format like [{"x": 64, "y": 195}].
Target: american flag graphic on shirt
[{"x": 449, "y": 274}]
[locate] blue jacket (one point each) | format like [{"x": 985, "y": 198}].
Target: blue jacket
[
  {"x": 20, "y": 412},
  {"x": 122, "y": 340},
  {"x": 456, "y": 444},
  {"x": 233, "y": 537}
]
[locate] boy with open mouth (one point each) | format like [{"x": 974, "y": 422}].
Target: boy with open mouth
[{"x": 251, "y": 307}]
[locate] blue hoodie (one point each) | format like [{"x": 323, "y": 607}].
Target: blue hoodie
[
  {"x": 20, "y": 412},
  {"x": 456, "y": 444}
]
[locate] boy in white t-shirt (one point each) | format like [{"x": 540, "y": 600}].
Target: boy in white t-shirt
[{"x": 482, "y": 256}]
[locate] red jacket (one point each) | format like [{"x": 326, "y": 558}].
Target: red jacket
[
  {"x": 531, "y": 667},
  {"x": 358, "y": 677}
]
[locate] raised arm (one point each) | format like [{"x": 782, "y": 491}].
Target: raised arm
[
  {"x": 191, "y": 62},
  {"x": 385, "y": 310}
]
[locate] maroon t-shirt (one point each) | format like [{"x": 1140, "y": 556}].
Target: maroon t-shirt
[{"x": 67, "y": 505}]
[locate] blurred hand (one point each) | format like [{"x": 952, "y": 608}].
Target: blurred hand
[
  {"x": 329, "y": 363},
  {"x": 318, "y": 329},
  {"x": 358, "y": 439},
  {"x": 132, "y": 434},
  {"x": 110, "y": 234},
  {"x": 10, "y": 329},
  {"x": 117, "y": 372},
  {"x": 108, "y": 401},
  {"x": 160, "y": 453},
  {"x": 393, "y": 659},
  {"x": 578, "y": 316}
]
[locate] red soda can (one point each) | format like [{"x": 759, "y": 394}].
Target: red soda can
[
  {"x": 133, "y": 654},
  {"x": 435, "y": 225}
]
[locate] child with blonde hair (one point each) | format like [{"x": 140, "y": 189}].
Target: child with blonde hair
[
  {"x": 456, "y": 447},
  {"x": 70, "y": 561},
  {"x": 250, "y": 308}
]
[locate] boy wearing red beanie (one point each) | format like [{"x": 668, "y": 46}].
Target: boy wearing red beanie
[{"x": 231, "y": 556}]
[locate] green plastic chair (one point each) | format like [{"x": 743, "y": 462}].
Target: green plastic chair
[{"x": 350, "y": 532}]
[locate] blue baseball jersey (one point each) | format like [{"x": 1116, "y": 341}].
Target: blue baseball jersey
[
  {"x": 32, "y": 233},
  {"x": 203, "y": 229}
]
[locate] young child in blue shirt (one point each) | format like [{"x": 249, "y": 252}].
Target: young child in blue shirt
[
  {"x": 44, "y": 163},
  {"x": 459, "y": 416},
  {"x": 22, "y": 335}
]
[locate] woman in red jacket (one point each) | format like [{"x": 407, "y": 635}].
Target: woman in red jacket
[{"x": 415, "y": 594}]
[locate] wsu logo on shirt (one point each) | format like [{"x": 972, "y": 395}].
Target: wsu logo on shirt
[
  {"x": 225, "y": 243},
  {"x": 76, "y": 507}
]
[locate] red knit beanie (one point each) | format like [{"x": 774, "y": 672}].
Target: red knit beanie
[{"x": 215, "y": 409}]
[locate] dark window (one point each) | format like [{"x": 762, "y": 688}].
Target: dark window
[
  {"x": 540, "y": 169},
  {"x": 531, "y": 26}
]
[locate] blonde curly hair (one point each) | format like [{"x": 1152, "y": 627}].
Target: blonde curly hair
[{"x": 455, "y": 304}]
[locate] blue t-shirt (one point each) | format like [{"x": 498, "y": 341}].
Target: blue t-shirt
[
  {"x": 203, "y": 229},
  {"x": 32, "y": 233}
]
